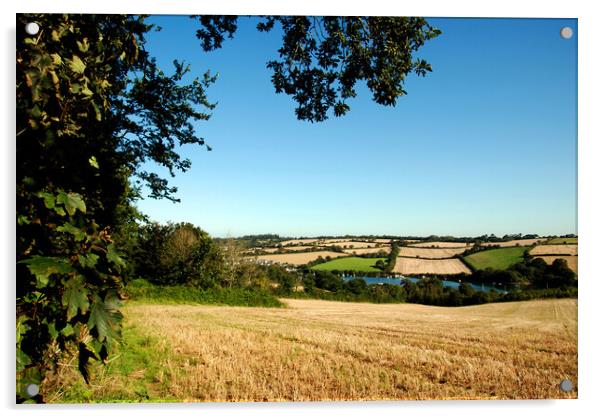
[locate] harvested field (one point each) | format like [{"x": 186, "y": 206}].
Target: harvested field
[
  {"x": 298, "y": 241},
  {"x": 514, "y": 243},
  {"x": 571, "y": 260},
  {"x": 559, "y": 249},
  {"x": 441, "y": 244},
  {"x": 405, "y": 265},
  {"x": 318, "y": 350},
  {"x": 356, "y": 244},
  {"x": 430, "y": 252},
  {"x": 299, "y": 258},
  {"x": 386, "y": 249}
]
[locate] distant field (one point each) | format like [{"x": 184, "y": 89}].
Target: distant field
[
  {"x": 405, "y": 265},
  {"x": 356, "y": 244},
  {"x": 568, "y": 249},
  {"x": 441, "y": 244},
  {"x": 332, "y": 351},
  {"x": 514, "y": 243},
  {"x": 350, "y": 263},
  {"x": 298, "y": 258},
  {"x": 497, "y": 258},
  {"x": 430, "y": 252},
  {"x": 386, "y": 249},
  {"x": 562, "y": 241},
  {"x": 571, "y": 260}
]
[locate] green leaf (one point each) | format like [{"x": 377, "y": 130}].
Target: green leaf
[
  {"x": 43, "y": 267},
  {"x": 22, "y": 360},
  {"x": 77, "y": 65},
  {"x": 104, "y": 319},
  {"x": 92, "y": 159},
  {"x": 88, "y": 260},
  {"x": 77, "y": 233},
  {"x": 75, "y": 297},
  {"x": 22, "y": 327},
  {"x": 72, "y": 202},
  {"x": 113, "y": 256},
  {"x": 52, "y": 330},
  {"x": 49, "y": 199},
  {"x": 67, "y": 331}
]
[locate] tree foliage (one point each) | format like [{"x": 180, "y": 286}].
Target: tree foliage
[{"x": 322, "y": 59}]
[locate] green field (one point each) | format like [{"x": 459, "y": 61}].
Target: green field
[
  {"x": 562, "y": 241},
  {"x": 497, "y": 259},
  {"x": 350, "y": 263}
]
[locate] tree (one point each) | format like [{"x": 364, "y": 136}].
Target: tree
[{"x": 322, "y": 58}]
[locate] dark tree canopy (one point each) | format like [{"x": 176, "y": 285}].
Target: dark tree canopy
[{"x": 323, "y": 58}]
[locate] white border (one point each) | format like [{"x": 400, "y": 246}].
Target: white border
[{"x": 590, "y": 135}]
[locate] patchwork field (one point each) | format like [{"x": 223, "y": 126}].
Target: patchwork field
[
  {"x": 441, "y": 244},
  {"x": 405, "y": 265},
  {"x": 497, "y": 258},
  {"x": 514, "y": 243},
  {"x": 571, "y": 260},
  {"x": 430, "y": 252},
  {"x": 350, "y": 263},
  {"x": 318, "y": 350},
  {"x": 372, "y": 250},
  {"x": 559, "y": 249},
  {"x": 298, "y": 258}
]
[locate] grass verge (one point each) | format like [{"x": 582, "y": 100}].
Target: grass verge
[{"x": 143, "y": 291}]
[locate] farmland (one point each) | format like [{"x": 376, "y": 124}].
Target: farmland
[
  {"x": 317, "y": 350},
  {"x": 350, "y": 263},
  {"x": 405, "y": 265},
  {"x": 298, "y": 258},
  {"x": 514, "y": 243},
  {"x": 497, "y": 258},
  {"x": 562, "y": 241},
  {"x": 558, "y": 249},
  {"x": 440, "y": 244},
  {"x": 372, "y": 250},
  {"x": 430, "y": 252}
]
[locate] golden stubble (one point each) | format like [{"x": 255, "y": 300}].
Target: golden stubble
[{"x": 318, "y": 350}]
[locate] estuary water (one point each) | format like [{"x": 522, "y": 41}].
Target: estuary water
[{"x": 397, "y": 281}]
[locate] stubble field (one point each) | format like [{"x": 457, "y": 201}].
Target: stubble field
[
  {"x": 430, "y": 252},
  {"x": 318, "y": 350},
  {"x": 405, "y": 265}
]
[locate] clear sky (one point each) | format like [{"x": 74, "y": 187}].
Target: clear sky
[{"x": 486, "y": 143}]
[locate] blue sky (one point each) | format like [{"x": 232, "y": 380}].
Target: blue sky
[{"x": 486, "y": 143}]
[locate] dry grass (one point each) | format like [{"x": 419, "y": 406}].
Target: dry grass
[
  {"x": 298, "y": 258},
  {"x": 555, "y": 249},
  {"x": 514, "y": 243},
  {"x": 318, "y": 350},
  {"x": 430, "y": 252},
  {"x": 405, "y": 265},
  {"x": 441, "y": 244},
  {"x": 570, "y": 259},
  {"x": 372, "y": 250}
]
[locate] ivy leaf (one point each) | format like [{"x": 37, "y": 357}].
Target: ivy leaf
[
  {"x": 43, "y": 267},
  {"x": 76, "y": 65},
  {"x": 75, "y": 297},
  {"x": 72, "y": 202},
  {"x": 22, "y": 360},
  {"x": 77, "y": 233}
]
